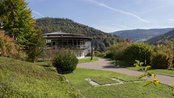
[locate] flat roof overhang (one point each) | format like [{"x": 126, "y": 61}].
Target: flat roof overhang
[{"x": 67, "y": 37}]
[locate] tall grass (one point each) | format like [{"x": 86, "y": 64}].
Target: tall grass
[{"x": 24, "y": 79}]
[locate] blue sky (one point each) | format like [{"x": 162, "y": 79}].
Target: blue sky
[{"x": 109, "y": 15}]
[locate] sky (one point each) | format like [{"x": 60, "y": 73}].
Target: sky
[{"x": 108, "y": 15}]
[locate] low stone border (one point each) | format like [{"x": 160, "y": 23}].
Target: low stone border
[{"x": 95, "y": 84}]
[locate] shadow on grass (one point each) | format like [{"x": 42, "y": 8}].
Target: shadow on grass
[
  {"x": 116, "y": 64},
  {"x": 110, "y": 66},
  {"x": 121, "y": 64},
  {"x": 46, "y": 65}
]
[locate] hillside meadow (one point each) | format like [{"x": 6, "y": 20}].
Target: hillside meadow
[
  {"x": 23, "y": 79},
  {"x": 40, "y": 80}
]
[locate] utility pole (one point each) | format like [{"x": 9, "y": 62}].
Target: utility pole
[{"x": 92, "y": 53}]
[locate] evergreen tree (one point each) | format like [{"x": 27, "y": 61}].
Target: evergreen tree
[
  {"x": 16, "y": 18},
  {"x": 18, "y": 23},
  {"x": 35, "y": 46}
]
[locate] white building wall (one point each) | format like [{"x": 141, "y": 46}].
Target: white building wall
[{"x": 86, "y": 51}]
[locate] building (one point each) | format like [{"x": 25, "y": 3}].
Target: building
[{"x": 78, "y": 44}]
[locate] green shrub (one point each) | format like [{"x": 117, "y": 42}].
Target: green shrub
[
  {"x": 116, "y": 52},
  {"x": 170, "y": 45},
  {"x": 161, "y": 61},
  {"x": 119, "y": 54},
  {"x": 65, "y": 62},
  {"x": 139, "y": 51},
  {"x": 108, "y": 54},
  {"x": 9, "y": 47},
  {"x": 99, "y": 54},
  {"x": 162, "y": 57}
]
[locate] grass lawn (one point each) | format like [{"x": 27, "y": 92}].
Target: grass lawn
[
  {"x": 82, "y": 60},
  {"x": 19, "y": 79},
  {"x": 163, "y": 72},
  {"x": 166, "y": 72},
  {"x": 126, "y": 90},
  {"x": 103, "y": 80},
  {"x": 88, "y": 59}
]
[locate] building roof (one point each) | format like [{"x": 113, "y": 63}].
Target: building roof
[{"x": 55, "y": 35}]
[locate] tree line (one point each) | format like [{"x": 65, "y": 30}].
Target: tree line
[{"x": 101, "y": 40}]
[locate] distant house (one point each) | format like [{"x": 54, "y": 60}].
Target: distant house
[{"x": 78, "y": 44}]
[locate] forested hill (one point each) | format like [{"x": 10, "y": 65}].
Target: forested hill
[
  {"x": 48, "y": 25},
  {"x": 141, "y": 34},
  {"x": 162, "y": 39}
]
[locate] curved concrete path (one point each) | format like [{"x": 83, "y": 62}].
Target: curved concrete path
[{"x": 104, "y": 64}]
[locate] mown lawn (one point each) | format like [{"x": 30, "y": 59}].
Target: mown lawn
[
  {"x": 19, "y": 79},
  {"x": 163, "y": 72},
  {"x": 166, "y": 72},
  {"x": 88, "y": 59},
  {"x": 126, "y": 90},
  {"x": 81, "y": 60},
  {"x": 103, "y": 80}
]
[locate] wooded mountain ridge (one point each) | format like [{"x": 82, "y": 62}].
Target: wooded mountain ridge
[
  {"x": 100, "y": 38},
  {"x": 162, "y": 39},
  {"x": 141, "y": 34}
]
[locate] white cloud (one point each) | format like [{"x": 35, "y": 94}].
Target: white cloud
[
  {"x": 107, "y": 28},
  {"x": 38, "y": 13},
  {"x": 119, "y": 11},
  {"x": 111, "y": 27}
]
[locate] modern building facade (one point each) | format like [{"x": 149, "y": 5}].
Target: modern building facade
[{"x": 78, "y": 44}]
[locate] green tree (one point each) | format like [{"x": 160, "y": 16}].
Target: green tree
[
  {"x": 16, "y": 18},
  {"x": 19, "y": 24},
  {"x": 35, "y": 46}
]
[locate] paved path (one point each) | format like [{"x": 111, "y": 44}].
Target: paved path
[{"x": 104, "y": 64}]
